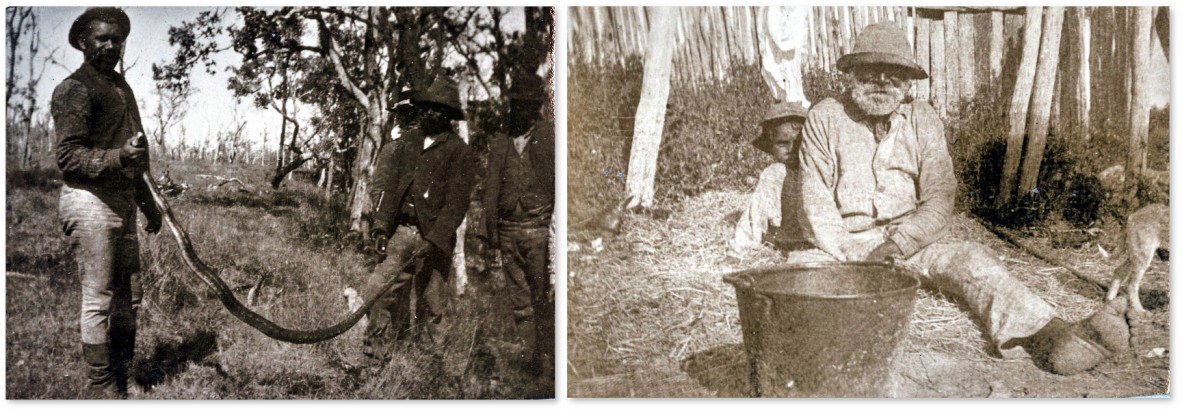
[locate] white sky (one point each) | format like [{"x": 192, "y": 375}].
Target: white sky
[{"x": 212, "y": 104}]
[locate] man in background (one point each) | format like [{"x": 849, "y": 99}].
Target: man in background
[
  {"x": 422, "y": 184},
  {"x": 519, "y": 206}
]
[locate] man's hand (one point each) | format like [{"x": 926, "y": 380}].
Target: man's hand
[
  {"x": 154, "y": 223},
  {"x": 378, "y": 240},
  {"x": 374, "y": 248},
  {"x": 132, "y": 154},
  {"x": 885, "y": 251}
]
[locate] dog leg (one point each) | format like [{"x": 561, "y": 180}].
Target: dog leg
[{"x": 1137, "y": 264}]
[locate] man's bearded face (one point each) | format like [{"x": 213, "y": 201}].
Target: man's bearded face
[
  {"x": 878, "y": 90},
  {"x": 434, "y": 122}
]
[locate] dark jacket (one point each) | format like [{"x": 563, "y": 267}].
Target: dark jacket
[
  {"x": 94, "y": 115},
  {"x": 541, "y": 152},
  {"x": 445, "y": 174}
]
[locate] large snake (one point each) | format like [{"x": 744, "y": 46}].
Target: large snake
[{"x": 226, "y": 296}]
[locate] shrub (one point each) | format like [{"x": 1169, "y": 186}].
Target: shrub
[
  {"x": 705, "y": 144},
  {"x": 1068, "y": 188}
]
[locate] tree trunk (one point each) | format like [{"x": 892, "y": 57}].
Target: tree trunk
[
  {"x": 650, "y": 113},
  {"x": 1139, "y": 116},
  {"x": 1083, "y": 83},
  {"x": 332, "y": 168},
  {"x": 362, "y": 172},
  {"x": 458, "y": 262},
  {"x": 1040, "y": 101},
  {"x": 1019, "y": 104}
]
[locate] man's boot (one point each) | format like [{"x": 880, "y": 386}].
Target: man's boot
[
  {"x": 1066, "y": 349},
  {"x": 527, "y": 332},
  {"x": 122, "y": 354},
  {"x": 99, "y": 374}
]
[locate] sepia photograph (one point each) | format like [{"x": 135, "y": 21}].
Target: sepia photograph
[
  {"x": 280, "y": 203},
  {"x": 873, "y": 201}
]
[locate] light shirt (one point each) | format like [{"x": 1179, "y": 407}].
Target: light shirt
[{"x": 852, "y": 183}]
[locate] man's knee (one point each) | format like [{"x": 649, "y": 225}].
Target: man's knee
[{"x": 977, "y": 257}]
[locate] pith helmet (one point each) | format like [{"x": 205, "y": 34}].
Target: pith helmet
[
  {"x": 882, "y": 43},
  {"x": 443, "y": 96},
  {"x": 81, "y": 23}
]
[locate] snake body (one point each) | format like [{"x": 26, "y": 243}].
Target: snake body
[{"x": 242, "y": 312}]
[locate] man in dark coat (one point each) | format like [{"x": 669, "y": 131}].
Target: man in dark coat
[
  {"x": 420, "y": 195},
  {"x": 519, "y": 205},
  {"x": 96, "y": 121}
]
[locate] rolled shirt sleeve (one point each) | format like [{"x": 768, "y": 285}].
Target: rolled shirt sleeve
[
  {"x": 762, "y": 212},
  {"x": 936, "y": 186},
  {"x": 821, "y": 221},
  {"x": 852, "y": 183}
]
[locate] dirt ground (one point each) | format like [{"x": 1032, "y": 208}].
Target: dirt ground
[{"x": 650, "y": 317}]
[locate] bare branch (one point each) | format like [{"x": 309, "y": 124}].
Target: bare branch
[{"x": 334, "y": 55}]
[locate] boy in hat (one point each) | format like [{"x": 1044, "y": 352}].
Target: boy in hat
[
  {"x": 519, "y": 206},
  {"x": 877, "y": 184},
  {"x": 96, "y": 120},
  {"x": 771, "y": 214},
  {"x": 420, "y": 195}
]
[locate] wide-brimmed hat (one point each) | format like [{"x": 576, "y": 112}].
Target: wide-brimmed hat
[
  {"x": 443, "y": 96},
  {"x": 528, "y": 87},
  {"x": 81, "y": 23},
  {"x": 882, "y": 43},
  {"x": 777, "y": 112}
]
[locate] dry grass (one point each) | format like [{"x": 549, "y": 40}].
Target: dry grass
[
  {"x": 653, "y": 299},
  {"x": 189, "y": 347}
]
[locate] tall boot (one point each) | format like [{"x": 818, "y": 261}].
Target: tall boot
[
  {"x": 527, "y": 332},
  {"x": 122, "y": 355},
  {"x": 99, "y": 373}
]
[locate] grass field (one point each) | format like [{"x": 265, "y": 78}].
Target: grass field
[{"x": 189, "y": 347}]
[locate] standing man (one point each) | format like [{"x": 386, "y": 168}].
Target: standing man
[
  {"x": 421, "y": 191},
  {"x": 519, "y": 206},
  {"x": 877, "y": 184},
  {"x": 96, "y": 119}
]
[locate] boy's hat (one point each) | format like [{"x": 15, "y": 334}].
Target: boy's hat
[{"x": 779, "y": 111}]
